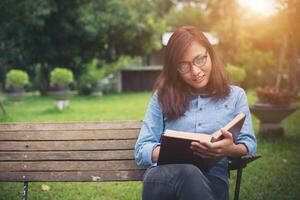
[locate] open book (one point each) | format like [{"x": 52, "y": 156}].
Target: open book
[{"x": 175, "y": 145}]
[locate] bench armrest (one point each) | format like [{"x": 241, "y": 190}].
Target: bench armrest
[{"x": 241, "y": 162}]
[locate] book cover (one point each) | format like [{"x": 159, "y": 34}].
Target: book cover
[{"x": 175, "y": 145}]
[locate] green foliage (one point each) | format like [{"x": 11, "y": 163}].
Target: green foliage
[
  {"x": 122, "y": 62},
  {"x": 261, "y": 66},
  {"x": 236, "y": 74},
  {"x": 97, "y": 70},
  {"x": 229, "y": 38},
  {"x": 41, "y": 78},
  {"x": 61, "y": 77},
  {"x": 91, "y": 75},
  {"x": 71, "y": 33},
  {"x": 122, "y": 27},
  {"x": 187, "y": 16},
  {"x": 16, "y": 79},
  {"x": 242, "y": 48}
]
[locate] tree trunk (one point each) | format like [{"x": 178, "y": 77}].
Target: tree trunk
[
  {"x": 2, "y": 108},
  {"x": 294, "y": 70}
]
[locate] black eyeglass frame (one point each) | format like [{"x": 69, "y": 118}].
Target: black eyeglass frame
[{"x": 193, "y": 62}]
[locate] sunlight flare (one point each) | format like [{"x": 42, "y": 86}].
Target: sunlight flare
[{"x": 261, "y": 7}]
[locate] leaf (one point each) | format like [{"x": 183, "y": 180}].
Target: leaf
[{"x": 45, "y": 187}]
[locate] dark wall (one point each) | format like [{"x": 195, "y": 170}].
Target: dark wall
[{"x": 139, "y": 78}]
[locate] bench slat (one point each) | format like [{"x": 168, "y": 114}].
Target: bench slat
[
  {"x": 68, "y": 145},
  {"x": 69, "y": 135},
  {"x": 72, "y": 151},
  {"x": 69, "y": 165},
  {"x": 90, "y": 176},
  {"x": 70, "y": 126},
  {"x": 67, "y": 155}
]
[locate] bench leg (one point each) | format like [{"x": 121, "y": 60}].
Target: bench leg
[
  {"x": 238, "y": 183},
  {"x": 25, "y": 190}
]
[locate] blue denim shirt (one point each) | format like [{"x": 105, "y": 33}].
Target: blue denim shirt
[{"x": 204, "y": 115}]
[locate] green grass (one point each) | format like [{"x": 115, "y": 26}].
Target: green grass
[
  {"x": 275, "y": 176},
  {"x": 127, "y": 106}
]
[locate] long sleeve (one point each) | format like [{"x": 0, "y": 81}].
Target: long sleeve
[
  {"x": 246, "y": 136},
  {"x": 150, "y": 133}
]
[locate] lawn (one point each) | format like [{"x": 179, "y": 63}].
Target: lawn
[{"x": 275, "y": 176}]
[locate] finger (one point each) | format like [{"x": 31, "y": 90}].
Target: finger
[
  {"x": 207, "y": 145},
  {"x": 215, "y": 145},
  {"x": 219, "y": 144},
  {"x": 205, "y": 152},
  {"x": 202, "y": 155},
  {"x": 216, "y": 152},
  {"x": 226, "y": 133},
  {"x": 196, "y": 145},
  {"x": 212, "y": 150}
]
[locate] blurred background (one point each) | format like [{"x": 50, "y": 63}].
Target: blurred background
[
  {"x": 105, "y": 55},
  {"x": 97, "y": 38}
]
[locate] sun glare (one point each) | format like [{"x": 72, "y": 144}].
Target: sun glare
[{"x": 261, "y": 7}]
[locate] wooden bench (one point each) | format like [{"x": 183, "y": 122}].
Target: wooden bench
[{"x": 75, "y": 152}]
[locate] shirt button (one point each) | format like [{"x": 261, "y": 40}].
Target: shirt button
[{"x": 199, "y": 124}]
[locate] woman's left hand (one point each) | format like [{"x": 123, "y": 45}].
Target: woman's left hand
[{"x": 224, "y": 147}]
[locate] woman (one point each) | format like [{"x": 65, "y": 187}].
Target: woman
[{"x": 192, "y": 94}]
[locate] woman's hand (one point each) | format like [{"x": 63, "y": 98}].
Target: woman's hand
[
  {"x": 155, "y": 153},
  {"x": 224, "y": 147}
]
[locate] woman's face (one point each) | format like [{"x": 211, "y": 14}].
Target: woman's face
[{"x": 195, "y": 66}]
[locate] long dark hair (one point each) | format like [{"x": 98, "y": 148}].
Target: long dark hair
[{"x": 174, "y": 94}]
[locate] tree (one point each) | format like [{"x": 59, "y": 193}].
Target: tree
[
  {"x": 50, "y": 33},
  {"x": 44, "y": 32},
  {"x": 193, "y": 16}
]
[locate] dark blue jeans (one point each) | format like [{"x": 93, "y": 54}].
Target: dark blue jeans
[{"x": 182, "y": 182}]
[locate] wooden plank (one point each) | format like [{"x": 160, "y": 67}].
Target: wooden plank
[
  {"x": 67, "y": 145},
  {"x": 70, "y": 126},
  {"x": 67, "y": 155},
  {"x": 82, "y": 176},
  {"x": 69, "y": 165},
  {"x": 69, "y": 134}
]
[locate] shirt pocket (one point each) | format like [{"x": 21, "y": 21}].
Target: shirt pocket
[
  {"x": 225, "y": 111},
  {"x": 184, "y": 123}
]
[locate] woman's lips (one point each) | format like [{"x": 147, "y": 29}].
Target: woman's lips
[{"x": 198, "y": 79}]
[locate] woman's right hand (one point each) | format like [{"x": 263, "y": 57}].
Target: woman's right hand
[{"x": 155, "y": 153}]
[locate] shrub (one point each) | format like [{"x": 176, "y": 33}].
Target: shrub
[
  {"x": 91, "y": 75},
  {"x": 236, "y": 74},
  {"x": 61, "y": 77},
  {"x": 100, "y": 73},
  {"x": 274, "y": 95},
  {"x": 261, "y": 66},
  {"x": 16, "y": 79}
]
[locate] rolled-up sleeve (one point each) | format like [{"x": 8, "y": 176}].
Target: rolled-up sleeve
[
  {"x": 247, "y": 136},
  {"x": 150, "y": 133}
]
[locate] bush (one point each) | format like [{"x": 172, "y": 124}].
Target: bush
[
  {"x": 261, "y": 66},
  {"x": 274, "y": 95},
  {"x": 98, "y": 73},
  {"x": 91, "y": 75},
  {"x": 61, "y": 77},
  {"x": 16, "y": 79},
  {"x": 236, "y": 74}
]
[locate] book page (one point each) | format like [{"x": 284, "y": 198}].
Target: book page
[
  {"x": 187, "y": 135},
  {"x": 205, "y": 137}
]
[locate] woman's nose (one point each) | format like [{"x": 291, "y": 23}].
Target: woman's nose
[{"x": 196, "y": 71}]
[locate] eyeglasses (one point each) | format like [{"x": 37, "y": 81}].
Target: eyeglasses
[{"x": 199, "y": 61}]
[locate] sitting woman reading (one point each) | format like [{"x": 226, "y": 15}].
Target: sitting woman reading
[{"x": 192, "y": 94}]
